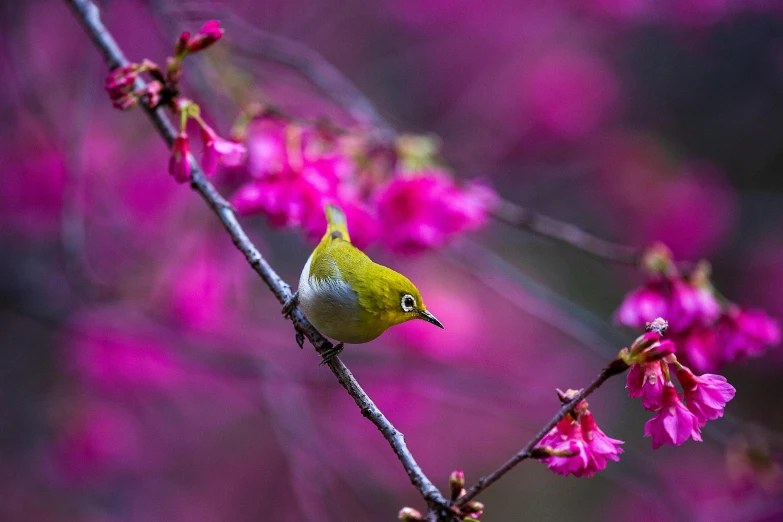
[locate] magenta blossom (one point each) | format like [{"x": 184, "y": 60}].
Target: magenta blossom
[
  {"x": 680, "y": 302},
  {"x": 643, "y": 305},
  {"x": 705, "y": 395},
  {"x": 647, "y": 381},
  {"x": 209, "y": 33},
  {"x": 424, "y": 210},
  {"x": 217, "y": 150},
  {"x": 674, "y": 423},
  {"x": 287, "y": 200},
  {"x": 747, "y": 332},
  {"x": 179, "y": 163},
  {"x": 691, "y": 303},
  {"x": 701, "y": 348},
  {"x": 591, "y": 447}
]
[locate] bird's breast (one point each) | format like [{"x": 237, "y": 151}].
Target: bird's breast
[{"x": 332, "y": 306}]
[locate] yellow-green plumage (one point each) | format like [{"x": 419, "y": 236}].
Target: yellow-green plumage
[{"x": 350, "y": 298}]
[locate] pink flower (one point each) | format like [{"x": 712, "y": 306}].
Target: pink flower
[
  {"x": 677, "y": 300},
  {"x": 179, "y": 164},
  {"x": 425, "y": 210},
  {"x": 647, "y": 381},
  {"x": 602, "y": 446},
  {"x": 209, "y": 33},
  {"x": 644, "y": 305},
  {"x": 674, "y": 423},
  {"x": 747, "y": 332},
  {"x": 266, "y": 147},
  {"x": 690, "y": 303},
  {"x": 699, "y": 346},
  {"x": 217, "y": 149},
  {"x": 590, "y": 446},
  {"x": 287, "y": 200},
  {"x": 705, "y": 395}
]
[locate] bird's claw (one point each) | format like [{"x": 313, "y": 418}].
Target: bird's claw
[
  {"x": 331, "y": 353},
  {"x": 290, "y": 304},
  {"x": 300, "y": 338}
]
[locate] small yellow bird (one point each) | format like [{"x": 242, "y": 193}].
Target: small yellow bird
[{"x": 348, "y": 297}]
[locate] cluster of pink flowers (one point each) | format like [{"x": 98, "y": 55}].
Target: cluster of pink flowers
[
  {"x": 707, "y": 331},
  {"x": 576, "y": 445},
  {"x": 676, "y": 420},
  {"x": 295, "y": 170}
]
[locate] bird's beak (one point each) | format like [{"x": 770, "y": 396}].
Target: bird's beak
[{"x": 426, "y": 316}]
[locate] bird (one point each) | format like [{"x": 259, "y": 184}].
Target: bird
[{"x": 347, "y": 296}]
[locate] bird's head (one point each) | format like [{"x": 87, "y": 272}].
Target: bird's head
[{"x": 397, "y": 300}]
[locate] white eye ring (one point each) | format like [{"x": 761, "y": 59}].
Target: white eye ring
[{"x": 408, "y": 303}]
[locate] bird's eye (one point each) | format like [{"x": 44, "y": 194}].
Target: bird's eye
[{"x": 408, "y": 303}]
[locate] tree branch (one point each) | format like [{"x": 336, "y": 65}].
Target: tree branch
[
  {"x": 616, "y": 367},
  {"x": 526, "y": 219},
  {"x": 89, "y": 16}
]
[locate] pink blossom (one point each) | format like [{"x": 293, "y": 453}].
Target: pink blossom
[
  {"x": 266, "y": 147},
  {"x": 217, "y": 149},
  {"x": 602, "y": 446},
  {"x": 591, "y": 447},
  {"x": 644, "y": 305},
  {"x": 297, "y": 172},
  {"x": 700, "y": 348},
  {"x": 287, "y": 200},
  {"x": 705, "y": 395},
  {"x": 647, "y": 381},
  {"x": 674, "y": 423},
  {"x": 209, "y": 33},
  {"x": 179, "y": 163},
  {"x": 690, "y": 303},
  {"x": 424, "y": 210},
  {"x": 747, "y": 332}
]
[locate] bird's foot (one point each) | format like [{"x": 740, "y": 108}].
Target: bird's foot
[
  {"x": 330, "y": 354},
  {"x": 290, "y": 304}
]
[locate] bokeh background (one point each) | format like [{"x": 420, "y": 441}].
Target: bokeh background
[{"x": 145, "y": 371}]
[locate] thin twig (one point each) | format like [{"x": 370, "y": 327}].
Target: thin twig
[
  {"x": 526, "y": 219},
  {"x": 616, "y": 367},
  {"x": 89, "y": 16}
]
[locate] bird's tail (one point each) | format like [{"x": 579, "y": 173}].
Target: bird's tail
[{"x": 337, "y": 226}]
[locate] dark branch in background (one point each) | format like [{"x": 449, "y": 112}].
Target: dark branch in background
[
  {"x": 309, "y": 63},
  {"x": 89, "y": 16},
  {"x": 616, "y": 367},
  {"x": 526, "y": 219}
]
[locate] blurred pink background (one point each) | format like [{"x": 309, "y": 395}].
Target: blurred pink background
[{"x": 145, "y": 371}]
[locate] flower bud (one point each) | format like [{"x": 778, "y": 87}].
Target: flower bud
[
  {"x": 179, "y": 163},
  {"x": 408, "y": 514},
  {"x": 541, "y": 452},
  {"x": 658, "y": 351},
  {"x": 643, "y": 342},
  {"x": 207, "y": 35},
  {"x": 181, "y": 46},
  {"x": 474, "y": 509},
  {"x": 456, "y": 482}
]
